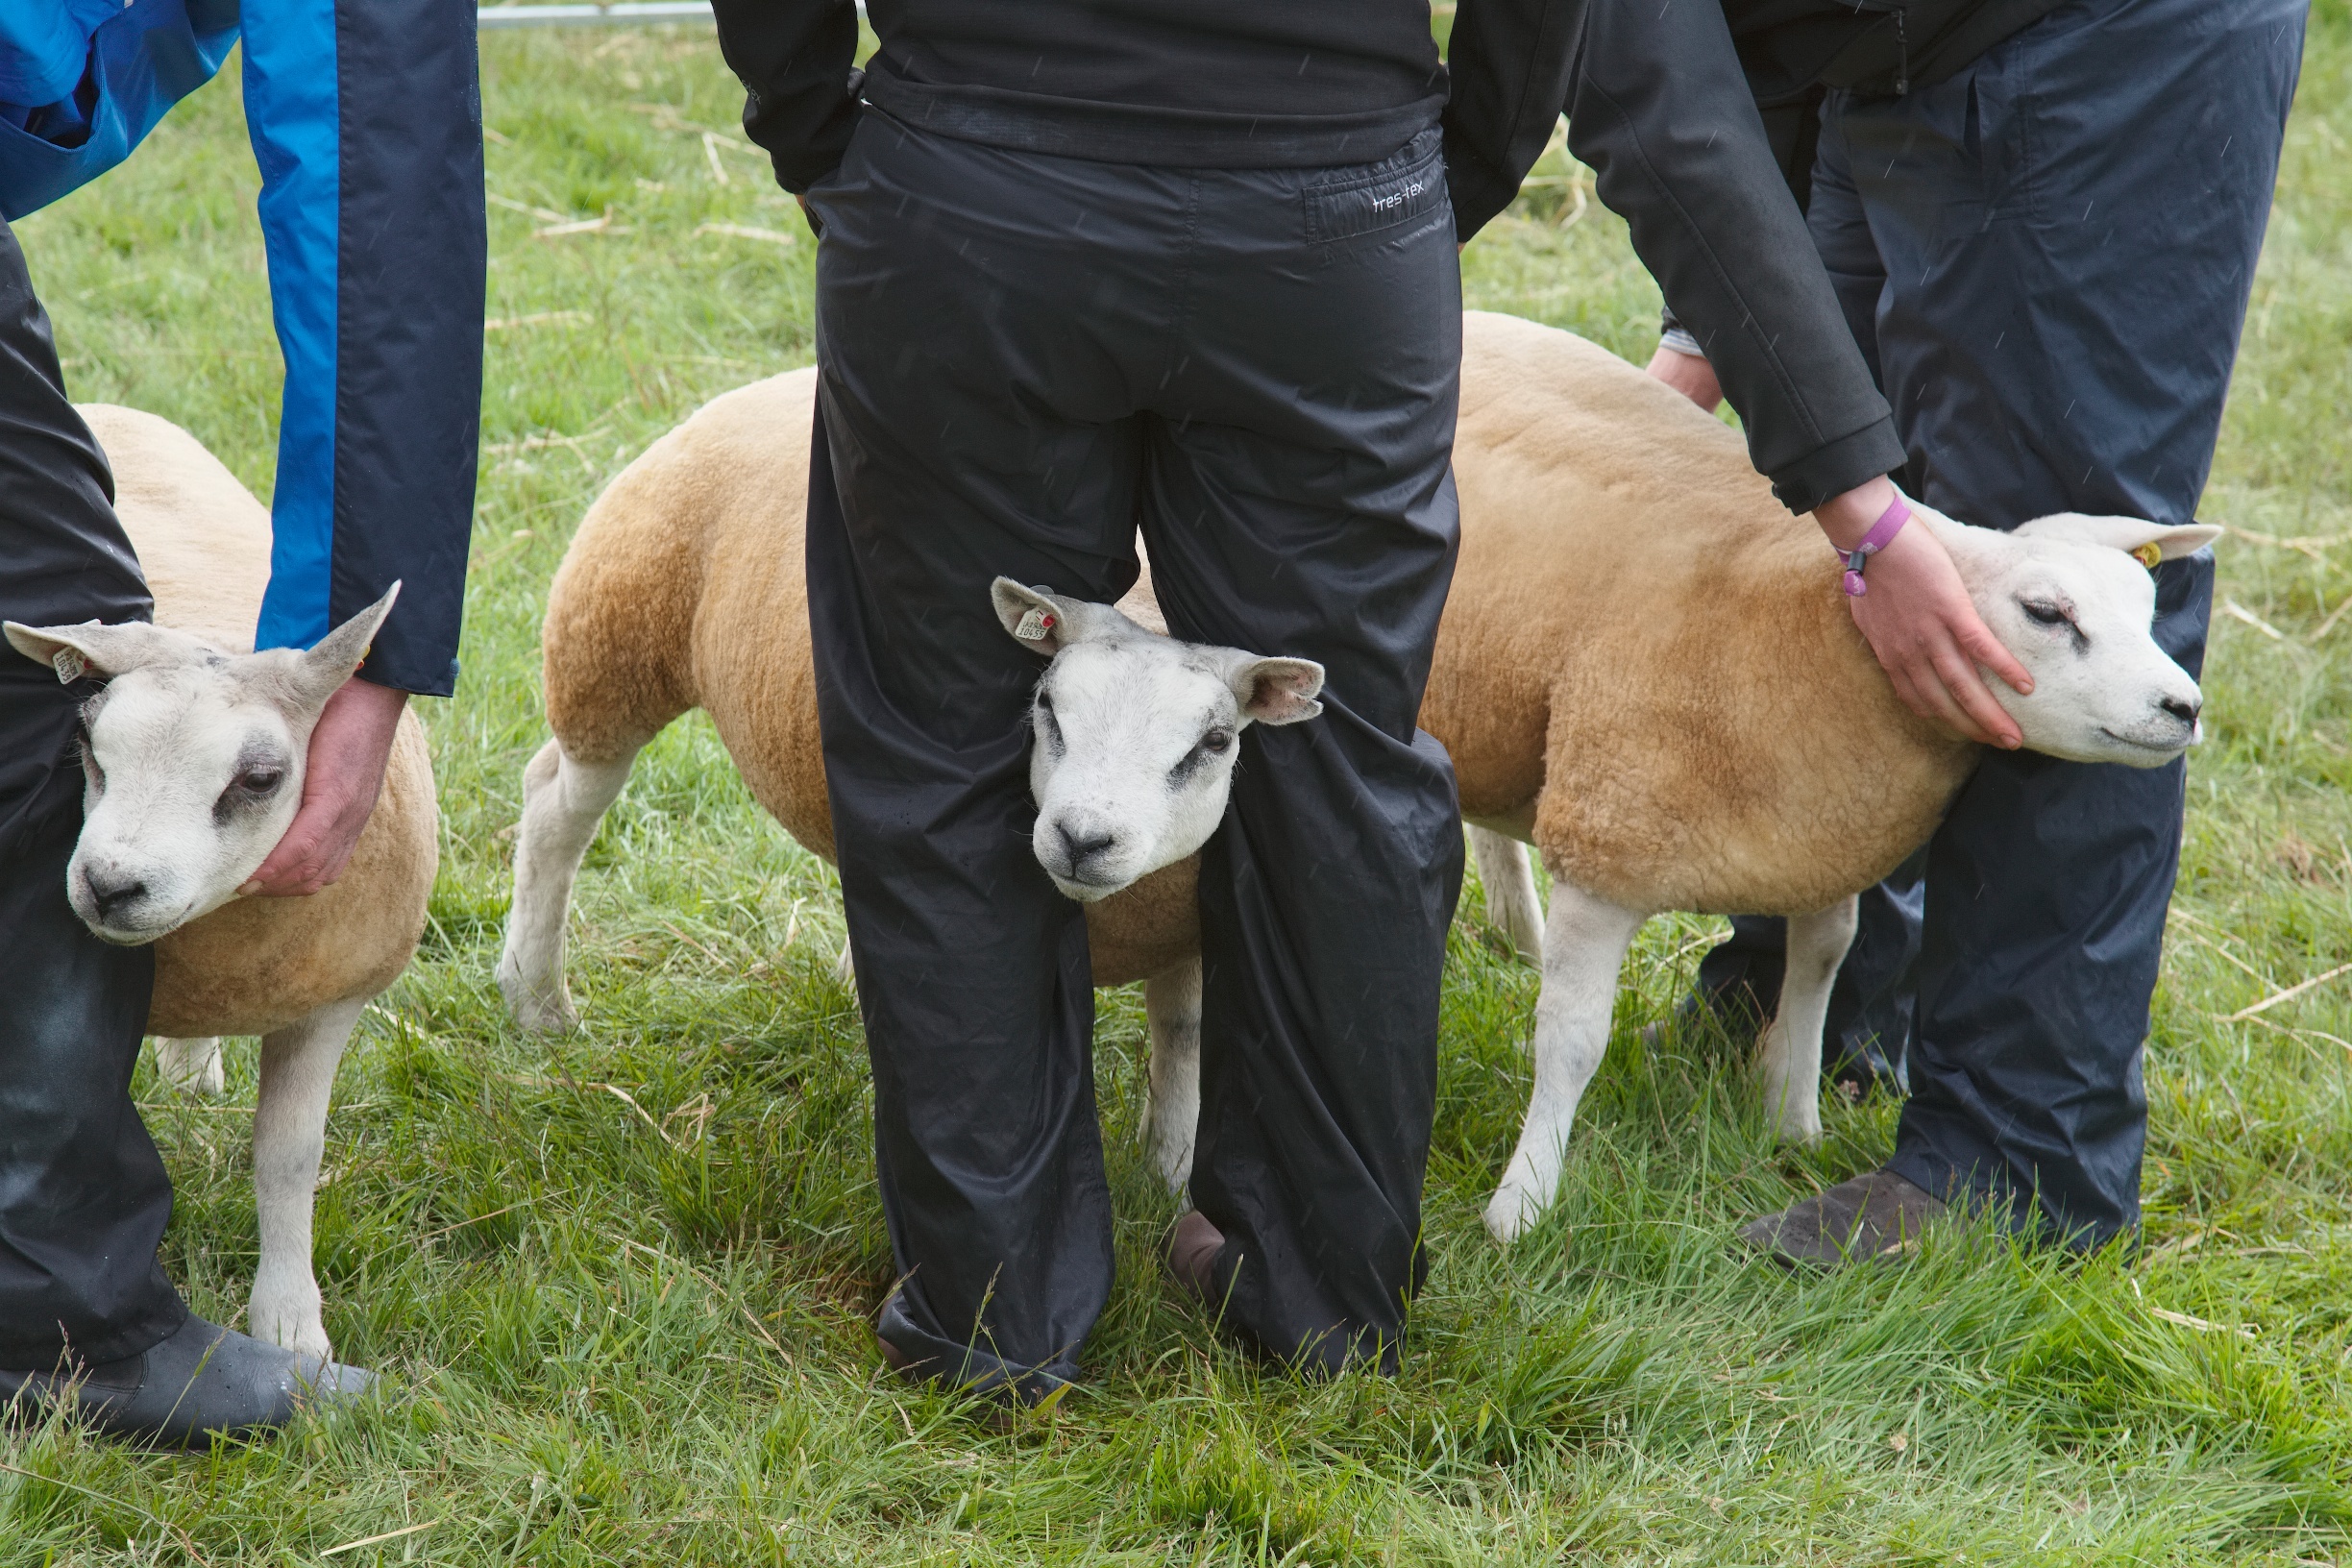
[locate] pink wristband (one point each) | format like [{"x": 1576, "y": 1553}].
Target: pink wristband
[{"x": 1881, "y": 534}]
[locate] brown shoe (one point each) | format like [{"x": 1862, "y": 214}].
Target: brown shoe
[
  {"x": 1191, "y": 1256},
  {"x": 1875, "y": 1215}
]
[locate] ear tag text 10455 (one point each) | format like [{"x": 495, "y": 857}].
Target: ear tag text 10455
[
  {"x": 70, "y": 664},
  {"x": 1035, "y": 626}
]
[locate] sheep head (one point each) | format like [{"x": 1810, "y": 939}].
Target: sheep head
[
  {"x": 192, "y": 762},
  {"x": 1136, "y": 735},
  {"x": 2074, "y": 598}
]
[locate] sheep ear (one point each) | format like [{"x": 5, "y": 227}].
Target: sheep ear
[
  {"x": 1276, "y": 691},
  {"x": 101, "y": 653},
  {"x": 1046, "y": 622},
  {"x": 319, "y": 674},
  {"x": 2132, "y": 535}
]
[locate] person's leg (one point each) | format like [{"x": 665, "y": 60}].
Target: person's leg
[
  {"x": 975, "y": 311},
  {"x": 2056, "y": 334},
  {"x": 1299, "y": 501},
  {"x": 83, "y": 1196},
  {"x": 1873, "y": 1002}
]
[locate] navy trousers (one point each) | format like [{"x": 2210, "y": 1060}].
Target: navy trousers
[
  {"x": 1026, "y": 359},
  {"x": 84, "y": 1197},
  {"x": 2047, "y": 258}
]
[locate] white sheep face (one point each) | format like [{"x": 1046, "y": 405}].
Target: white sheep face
[
  {"x": 2066, "y": 597},
  {"x": 192, "y": 764},
  {"x": 1136, "y": 736}
]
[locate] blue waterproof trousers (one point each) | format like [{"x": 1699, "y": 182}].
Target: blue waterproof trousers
[{"x": 2047, "y": 258}]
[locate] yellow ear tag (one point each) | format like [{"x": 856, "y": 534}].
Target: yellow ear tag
[{"x": 2149, "y": 554}]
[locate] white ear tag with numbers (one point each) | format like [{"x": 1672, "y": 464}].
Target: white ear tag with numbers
[
  {"x": 70, "y": 664},
  {"x": 1035, "y": 626}
]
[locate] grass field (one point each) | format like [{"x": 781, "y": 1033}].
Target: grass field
[{"x": 633, "y": 1328}]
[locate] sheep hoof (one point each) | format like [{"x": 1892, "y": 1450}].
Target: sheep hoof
[
  {"x": 1799, "y": 1130},
  {"x": 1172, "y": 1160},
  {"x": 535, "y": 1010},
  {"x": 294, "y": 1325},
  {"x": 193, "y": 1068},
  {"x": 1509, "y": 1213}
]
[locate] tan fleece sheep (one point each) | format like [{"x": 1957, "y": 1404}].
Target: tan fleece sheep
[
  {"x": 295, "y": 972},
  {"x": 1645, "y": 668}
]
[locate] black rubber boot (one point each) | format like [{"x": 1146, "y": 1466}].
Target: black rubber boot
[
  {"x": 202, "y": 1383},
  {"x": 1874, "y": 1216}
]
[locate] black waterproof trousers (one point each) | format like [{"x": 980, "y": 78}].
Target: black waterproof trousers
[
  {"x": 1026, "y": 359},
  {"x": 83, "y": 1193},
  {"x": 2046, "y": 260}
]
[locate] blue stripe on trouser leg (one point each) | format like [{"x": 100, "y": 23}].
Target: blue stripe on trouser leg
[{"x": 2066, "y": 233}]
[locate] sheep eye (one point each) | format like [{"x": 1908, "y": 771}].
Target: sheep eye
[
  {"x": 2049, "y": 615},
  {"x": 1217, "y": 741},
  {"x": 260, "y": 780}
]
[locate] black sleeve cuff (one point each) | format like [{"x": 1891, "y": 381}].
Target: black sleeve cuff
[{"x": 1845, "y": 463}]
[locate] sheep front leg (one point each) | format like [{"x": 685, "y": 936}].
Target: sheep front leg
[
  {"x": 563, "y": 800},
  {"x": 1584, "y": 945},
  {"x": 1789, "y": 1056},
  {"x": 1509, "y": 877},
  {"x": 191, "y": 1067},
  {"x": 298, "y": 1069},
  {"x": 1171, "y": 1116}
]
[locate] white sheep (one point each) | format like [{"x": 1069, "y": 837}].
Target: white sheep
[
  {"x": 1645, "y": 668},
  {"x": 193, "y": 769}
]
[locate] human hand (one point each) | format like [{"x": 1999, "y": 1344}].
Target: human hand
[
  {"x": 349, "y": 749},
  {"x": 1688, "y": 374},
  {"x": 1919, "y": 622}
]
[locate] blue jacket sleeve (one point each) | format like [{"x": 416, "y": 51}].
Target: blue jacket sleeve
[
  {"x": 82, "y": 82},
  {"x": 366, "y": 119}
]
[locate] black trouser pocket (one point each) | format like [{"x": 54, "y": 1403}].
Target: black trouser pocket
[{"x": 1400, "y": 189}]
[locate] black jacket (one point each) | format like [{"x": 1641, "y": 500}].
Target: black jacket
[{"x": 1661, "y": 96}]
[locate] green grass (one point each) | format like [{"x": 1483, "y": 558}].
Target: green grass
[{"x": 637, "y": 1332}]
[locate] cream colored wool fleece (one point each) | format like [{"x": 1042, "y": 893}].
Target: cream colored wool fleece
[
  {"x": 1645, "y": 657},
  {"x": 258, "y": 965}
]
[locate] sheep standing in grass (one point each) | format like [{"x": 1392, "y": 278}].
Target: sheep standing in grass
[
  {"x": 684, "y": 589},
  {"x": 194, "y": 760},
  {"x": 1645, "y": 668},
  {"x": 1647, "y": 671}
]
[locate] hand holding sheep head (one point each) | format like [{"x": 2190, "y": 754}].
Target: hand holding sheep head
[
  {"x": 2074, "y": 598},
  {"x": 192, "y": 762},
  {"x": 1136, "y": 735}
]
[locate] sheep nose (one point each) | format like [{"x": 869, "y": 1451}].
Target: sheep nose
[
  {"x": 2184, "y": 709},
  {"x": 112, "y": 889},
  {"x": 1085, "y": 842}
]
